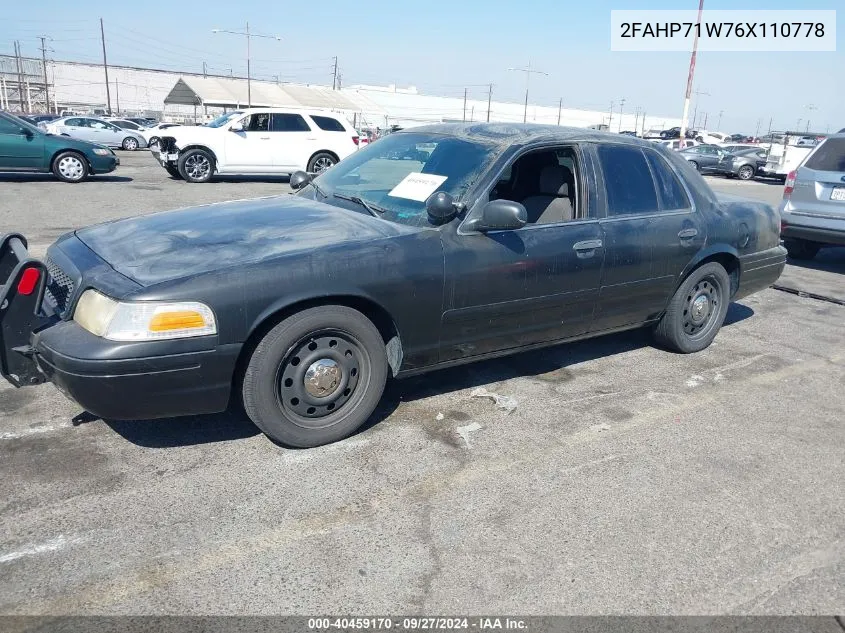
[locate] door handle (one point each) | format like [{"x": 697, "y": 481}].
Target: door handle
[
  {"x": 587, "y": 245},
  {"x": 688, "y": 234},
  {"x": 264, "y": 138}
]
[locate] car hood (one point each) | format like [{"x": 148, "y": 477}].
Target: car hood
[{"x": 178, "y": 244}]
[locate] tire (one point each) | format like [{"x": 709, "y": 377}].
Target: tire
[
  {"x": 696, "y": 311},
  {"x": 196, "y": 165},
  {"x": 320, "y": 162},
  {"x": 746, "y": 172},
  {"x": 70, "y": 167},
  {"x": 694, "y": 165},
  {"x": 173, "y": 171},
  {"x": 130, "y": 144},
  {"x": 801, "y": 249},
  {"x": 153, "y": 141},
  {"x": 316, "y": 377}
]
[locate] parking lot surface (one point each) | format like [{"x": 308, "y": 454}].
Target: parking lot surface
[{"x": 627, "y": 480}]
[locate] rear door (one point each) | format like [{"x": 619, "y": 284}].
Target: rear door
[
  {"x": 650, "y": 233},
  {"x": 819, "y": 192},
  {"x": 293, "y": 141}
]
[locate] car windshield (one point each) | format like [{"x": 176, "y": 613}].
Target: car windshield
[
  {"x": 224, "y": 119},
  {"x": 401, "y": 171}
]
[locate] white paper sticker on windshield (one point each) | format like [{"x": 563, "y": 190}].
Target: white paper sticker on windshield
[{"x": 417, "y": 186}]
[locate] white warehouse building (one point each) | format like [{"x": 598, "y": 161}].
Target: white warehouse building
[{"x": 183, "y": 97}]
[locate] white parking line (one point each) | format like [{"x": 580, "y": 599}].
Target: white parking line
[
  {"x": 53, "y": 545},
  {"x": 13, "y": 435}
]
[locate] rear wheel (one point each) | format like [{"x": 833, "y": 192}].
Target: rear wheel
[
  {"x": 196, "y": 165},
  {"x": 694, "y": 165},
  {"x": 320, "y": 162},
  {"x": 746, "y": 172},
  {"x": 801, "y": 249},
  {"x": 696, "y": 311},
  {"x": 316, "y": 377},
  {"x": 70, "y": 167},
  {"x": 130, "y": 143}
]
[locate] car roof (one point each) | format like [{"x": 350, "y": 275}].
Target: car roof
[{"x": 523, "y": 133}]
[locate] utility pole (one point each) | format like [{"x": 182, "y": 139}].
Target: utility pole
[
  {"x": 334, "y": 75},
  {"x": 621, "y": 105},
  {"x": 719, "y": 124},
  {"x": 248, "y": 36},
  {"x": 643, "y": 123},
  {"x": 559, "y": 109},
  {"x": 105, "y": 66},
  {"x": 44, "y": 66},
  {"x": 757, "y": 133},
  {"x": 798, "y": 125},
  {"x": 20, "y": 74},
  {"x": 691, "y": 75},
  {"x": 705, "y": 121},
  {"x": 204, "y": 71},
  {"x": 610, "y": 119},
  {"x": 528, "y": 70},
  {"x": 117, "y": 95},
  {"x": 489, "y": 101},
  {"x": 770, "y": 124},
  {"x": 465, "y": 104},
  {"x": 637, "y": 120}
]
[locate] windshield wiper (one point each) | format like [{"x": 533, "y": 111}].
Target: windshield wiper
[{"x": 374, "y": 210}]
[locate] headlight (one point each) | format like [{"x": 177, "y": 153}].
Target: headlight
[
  {"x": 102, "y": 151},
  {"x": 142, "y": 320}
]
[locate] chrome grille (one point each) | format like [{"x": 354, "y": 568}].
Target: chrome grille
[{"x": 59, "y": 286}]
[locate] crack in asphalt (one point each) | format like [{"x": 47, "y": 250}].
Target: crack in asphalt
[{"x": 809, "y": 295}]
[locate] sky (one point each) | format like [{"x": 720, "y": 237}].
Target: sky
[{"x": 445, "y": 46}]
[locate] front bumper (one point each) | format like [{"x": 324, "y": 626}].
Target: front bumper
[
  {"x": 113, "y": 380},
  {"x": 103, "y": 164}
]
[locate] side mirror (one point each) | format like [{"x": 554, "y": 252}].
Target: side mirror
[
  {"x": 236, "y": 127},
  {"x": 26, "y": 132},
  {"x": 299, "y": 179},
  {"x": 500, "y": 215},
  {"x": 441, "y": 206}
]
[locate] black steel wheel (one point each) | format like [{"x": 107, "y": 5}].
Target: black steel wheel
[
  {"x": 315, "y": 377},
  {"x": 696, "y": 311}
]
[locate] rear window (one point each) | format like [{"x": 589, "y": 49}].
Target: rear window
[
  {"x": 328, "y": 124},
  {"x": 672, "y": 194},
  {"x": 830, "y": 156},
  {"x": 627, "y": 177}
]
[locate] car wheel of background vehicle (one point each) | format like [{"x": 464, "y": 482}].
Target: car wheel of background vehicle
[
  {"x": 130, "y": 144},
  {"x": 696, "y": 311},
  {"x": 153, "y": 144},
  {"x": 70, "y": 167},
  {"x": 746, "y": 172},
  {"x": 320, "y": 162},
  {"x": 196, "y": 165},
  {"x": 801, "y": 249},
  {"x": 173, "y": 171},
  {"x": 316, "y": 377},
  {"x": 694, "y": 165}
]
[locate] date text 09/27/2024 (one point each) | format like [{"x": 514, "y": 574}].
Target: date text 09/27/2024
[{"x": 417, "y": 623}]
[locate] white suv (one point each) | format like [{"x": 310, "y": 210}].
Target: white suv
[{"x": 257, "y": 141}]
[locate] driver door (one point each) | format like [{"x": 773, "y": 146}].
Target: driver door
[{"x": 250, "y": 150}]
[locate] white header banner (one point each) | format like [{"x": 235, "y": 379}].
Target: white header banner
[{"x": 737, "y": 31}]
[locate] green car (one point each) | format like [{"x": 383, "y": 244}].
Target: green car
[{"x": 24, "y": 147}]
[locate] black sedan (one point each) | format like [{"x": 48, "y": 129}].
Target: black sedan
[{"x": 436, "y": 246}]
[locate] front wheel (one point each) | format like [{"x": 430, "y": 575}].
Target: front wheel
[
  {"x": 801, "y": 249},
  {"x": 70, "y": 167},
  {"x": 320, "y": 162},
  {"x": 316, "y": 377},
  {"x": 696, "y": 311},
  {"x": 196, "y": 165}
]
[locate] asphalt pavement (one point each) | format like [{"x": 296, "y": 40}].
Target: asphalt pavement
[{"x": 627, "y": 479}]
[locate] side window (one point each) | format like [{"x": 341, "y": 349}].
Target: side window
[
  {"x": 672, "y": 194},
  {"x": 8, "y": 127},
  {"x": 97, "y": 125},
  {"x": 257, "y": 122},
  {"x": 288, "y": 123},
  {"x": 627, "y": 178},
  {"x": 328, "y": 124}
]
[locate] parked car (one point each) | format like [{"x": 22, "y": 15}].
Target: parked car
[
  {"x": 258, "y": 141},
  {"x": 152, "y": 134},
  {"x": 143, "y": 122},
  {"x": 745, "y": 164},
  {"x": 653, "y": 133},
  {"x": 25, "y": 147},
  {"x": 628, "y": 133},
  {"x": 679, "y": 144},
  {"x": 304, "y": 304},
  {"x": 740, "y": 147},
  {"x": 675, "y": 132},
  {"x": 807, "y": 141},
  {"x": 813, "y": 206},
  {"x": 126, "y": 124},
  {"x": 738, "y": 138},
  {"x": 711, "y": 138},
  {"x": 96, "y": 131},
  {"x": 705, "y": 158}
]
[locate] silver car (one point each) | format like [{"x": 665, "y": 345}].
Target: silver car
[
  {"x": 97, "y": 131},
  {"x": 813, "y": 207}
]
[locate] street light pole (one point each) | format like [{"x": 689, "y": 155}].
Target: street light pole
[
  {"x": 248, "y": 36},
  {"x": 528, "y": 70},
  {"x": 685, "y": 117}
]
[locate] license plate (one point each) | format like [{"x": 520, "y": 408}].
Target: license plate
[{"x": 838, "y": 193}]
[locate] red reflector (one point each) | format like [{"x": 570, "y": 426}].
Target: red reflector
[
  {"x": 355, "y": 140},
  {"x": 28, "y": 281}
]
